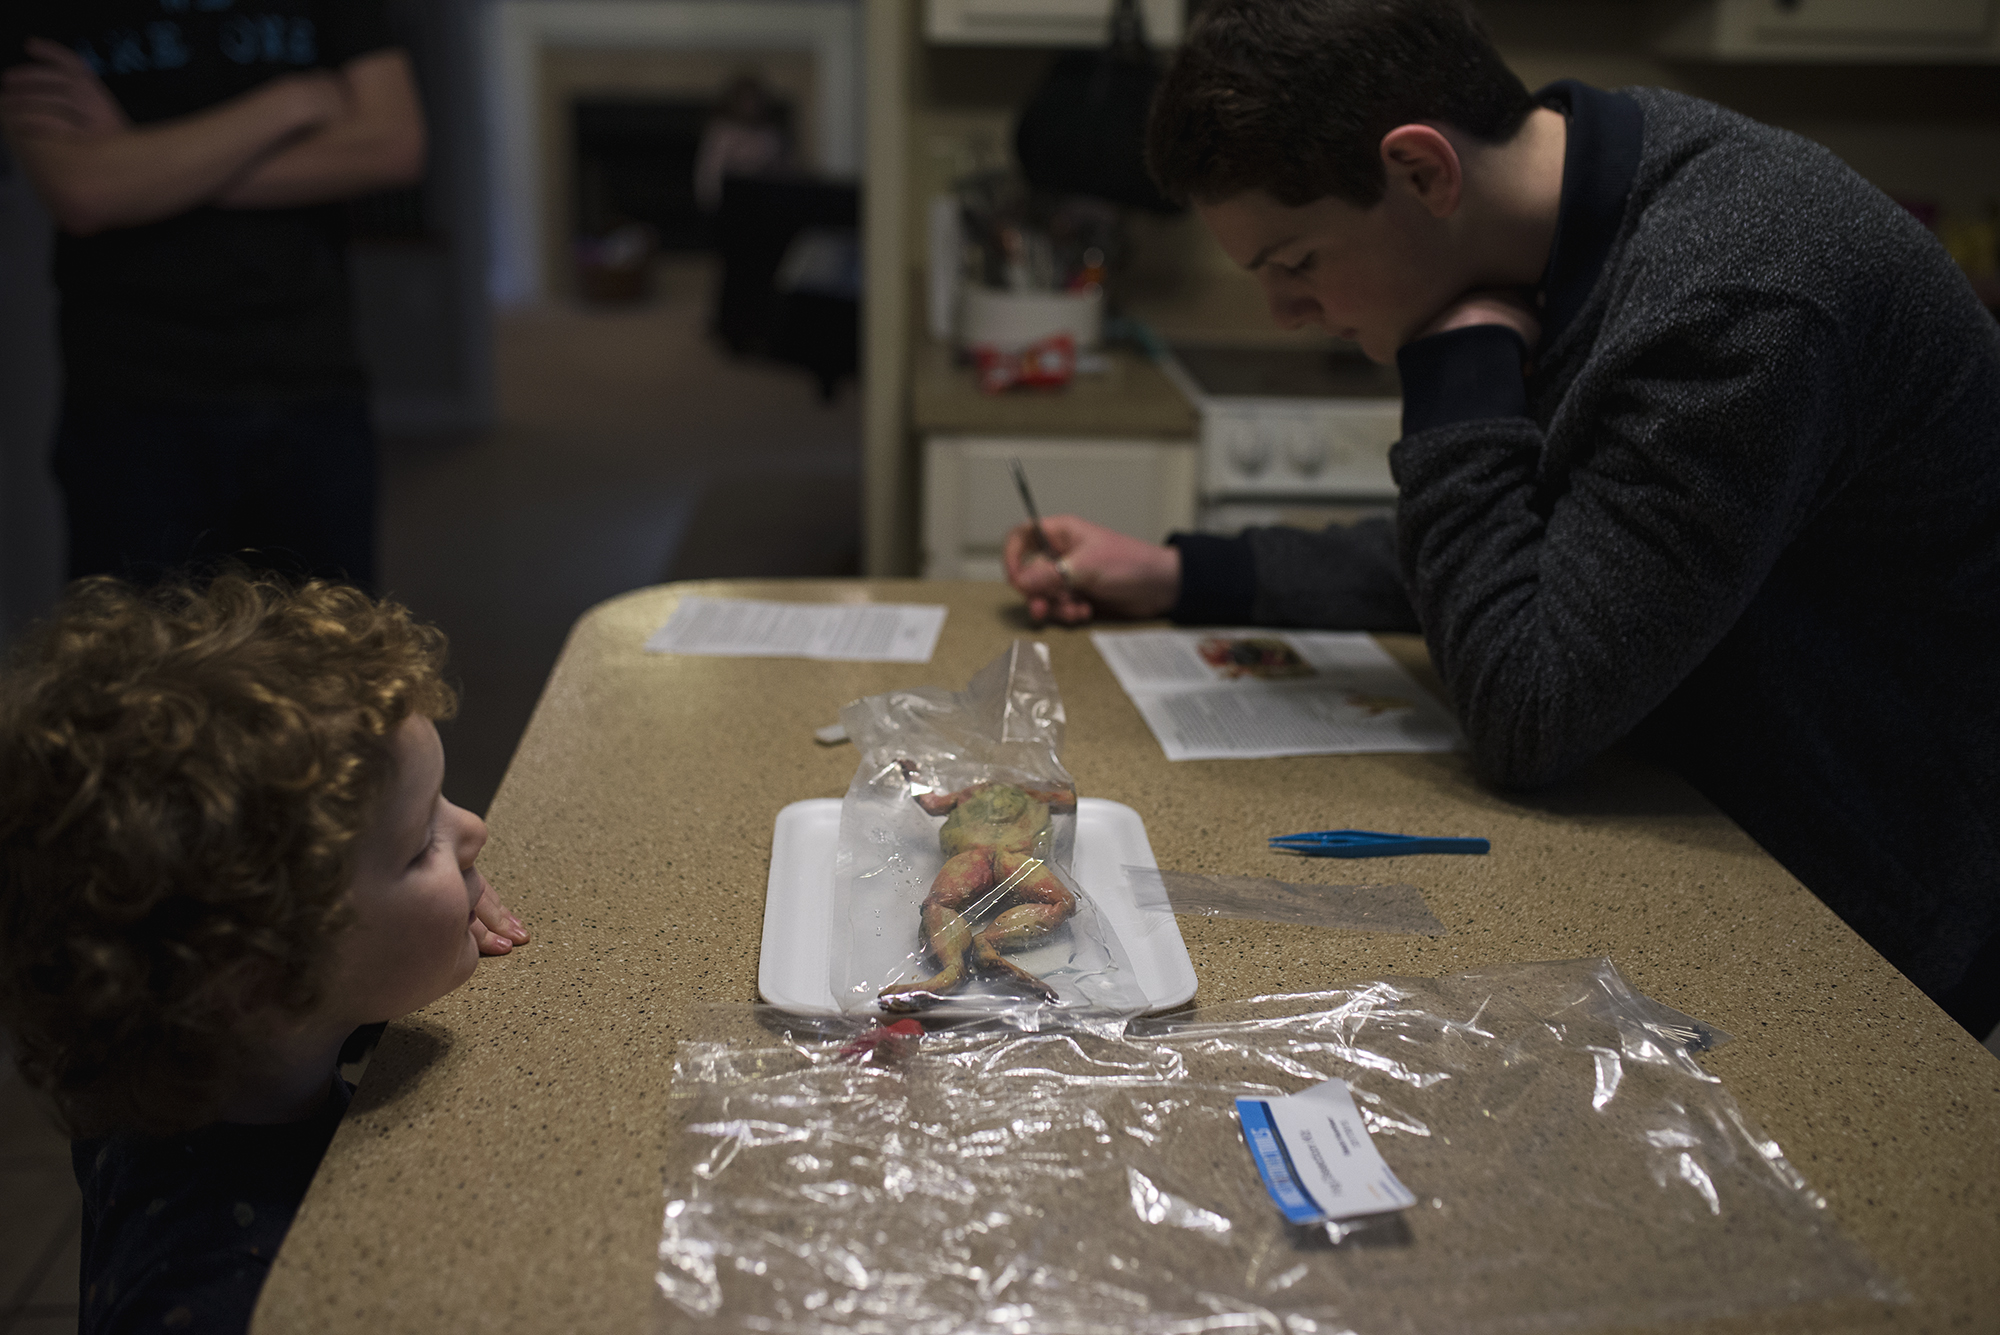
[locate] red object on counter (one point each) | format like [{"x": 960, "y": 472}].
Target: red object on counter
[
  {"x": 1049, "y": 363},
  {"x": 883, "y": 1042}
]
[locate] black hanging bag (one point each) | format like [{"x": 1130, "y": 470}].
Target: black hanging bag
[{"x": 1084, "y": 131}]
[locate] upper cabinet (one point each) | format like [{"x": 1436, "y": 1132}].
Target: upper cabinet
[
  {"x": 1041, "y": 22},
  {"x": 1908, "y": 32}
]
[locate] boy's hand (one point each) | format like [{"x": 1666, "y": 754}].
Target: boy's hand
[
  {"x": 1109, "y": 574},
  {"x": 496, "y": 930}
]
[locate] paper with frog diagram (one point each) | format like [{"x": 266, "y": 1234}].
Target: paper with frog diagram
[{"x": 1255, "y": 692}]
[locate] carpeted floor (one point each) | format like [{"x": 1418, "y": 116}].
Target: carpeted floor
[{"x": 629, "y": 451}]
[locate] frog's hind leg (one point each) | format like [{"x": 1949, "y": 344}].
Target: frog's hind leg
[
  {"x": 1026, "y": 879},
  {"x": 963, "y": 879},
  {"x": 989, "y": 960},
  {"x": 1023, "y": 925},
  {"x": 948, "y": 937},
  {"x": 1040, "y": 903}
]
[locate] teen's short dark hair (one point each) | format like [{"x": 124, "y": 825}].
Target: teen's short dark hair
[{"x": 1292, "y": 97}]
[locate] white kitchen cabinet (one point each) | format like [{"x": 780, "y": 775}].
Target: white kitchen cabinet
[
  {"x": 1144, "y": 488},
  {"x": 1040, "y": 22},
  {"x": 1830, "y": 31}
]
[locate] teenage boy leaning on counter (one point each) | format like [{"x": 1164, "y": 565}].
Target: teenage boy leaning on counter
[
  {"x": 224, "y": 846},
  {"x": 1701, "y": 446}
]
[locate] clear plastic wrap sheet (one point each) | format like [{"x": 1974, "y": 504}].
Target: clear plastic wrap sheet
[
  {"x": 945, "y": 900},
  {"x": 1368, "y": 907},
  {"x": 1574, "y": 1168},
  {"x": 1364, "y": 907}
]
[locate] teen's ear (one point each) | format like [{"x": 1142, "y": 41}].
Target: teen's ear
[{"x": 1420, "y": 159}]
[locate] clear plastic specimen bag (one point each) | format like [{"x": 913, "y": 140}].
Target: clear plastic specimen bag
[
  {"x": 1573, "y": 1167},
  {"x": 953, "y": 893}
]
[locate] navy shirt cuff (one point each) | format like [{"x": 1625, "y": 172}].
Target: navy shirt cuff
[
  {"x": 1462, "y": 375},
  {"x": 1218, "y": 580}
]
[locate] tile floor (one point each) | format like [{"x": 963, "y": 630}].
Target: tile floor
[{"x": 628, "y": 452}]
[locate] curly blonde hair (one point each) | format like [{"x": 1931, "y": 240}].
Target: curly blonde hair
[{"x": 183, "y": 775}]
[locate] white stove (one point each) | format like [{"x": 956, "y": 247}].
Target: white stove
[{"x": 1281, "y": 426}]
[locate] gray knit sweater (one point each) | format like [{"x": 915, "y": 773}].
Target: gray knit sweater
[{"x": 1745, "y": 507}]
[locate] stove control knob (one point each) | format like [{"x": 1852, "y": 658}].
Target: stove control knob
[
  {"x": 1307, "y": 448},
  {"x": 1249, "y": 449},
  {"x": 1340, "y": 444}
]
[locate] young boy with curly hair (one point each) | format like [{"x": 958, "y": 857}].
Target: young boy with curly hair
[{"x": 224, "y": 846}]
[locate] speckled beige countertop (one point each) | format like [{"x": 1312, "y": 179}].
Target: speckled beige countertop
[
  {"x": 1130, "y": 396},
  {"x": 501, "y": 1168}
]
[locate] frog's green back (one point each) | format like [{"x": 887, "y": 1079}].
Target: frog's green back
[{"x": 997, "y": 816}]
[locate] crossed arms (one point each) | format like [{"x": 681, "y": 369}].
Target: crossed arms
[{"x": 303, "y": 138}]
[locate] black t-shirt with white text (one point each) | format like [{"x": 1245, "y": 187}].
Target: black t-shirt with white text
[{"x": 214, "y": 305}]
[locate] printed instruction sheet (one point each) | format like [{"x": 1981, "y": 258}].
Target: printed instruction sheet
[
  {"x": 753, "y": 628},
  {"x": 1252, "y": 693}
]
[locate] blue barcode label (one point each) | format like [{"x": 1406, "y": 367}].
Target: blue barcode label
[{"x": 1274, "y": 1165}]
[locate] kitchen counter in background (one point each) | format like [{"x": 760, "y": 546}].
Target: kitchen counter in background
[{"x": 1131, "y": 397}]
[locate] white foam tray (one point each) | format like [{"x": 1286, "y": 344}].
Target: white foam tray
[{"x": 794, "y": 970}]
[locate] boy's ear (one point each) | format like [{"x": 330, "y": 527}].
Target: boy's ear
[
  {"x": 1420, "y": 159},
  {"x": 251, "y": 990}
]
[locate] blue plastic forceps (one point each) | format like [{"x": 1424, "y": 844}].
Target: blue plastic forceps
[{"x": 1370, "y": 844}]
